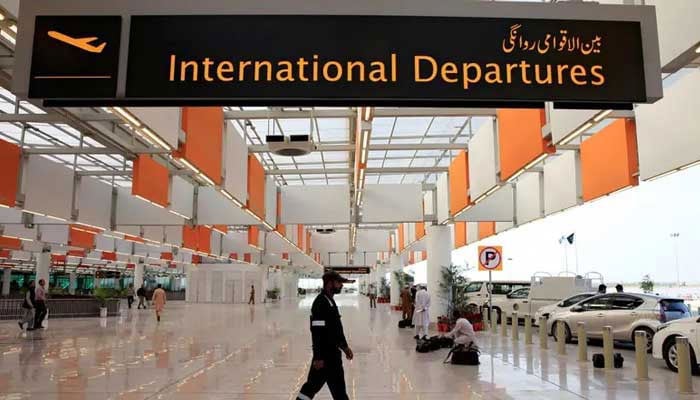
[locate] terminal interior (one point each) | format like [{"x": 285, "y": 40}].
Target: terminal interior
[{"x": 237, "y": 208}]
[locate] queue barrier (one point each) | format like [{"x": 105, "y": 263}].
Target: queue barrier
[{"x": 60, "y": 308}]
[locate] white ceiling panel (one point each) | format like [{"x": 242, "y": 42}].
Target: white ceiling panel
[{"x": 392, "y": 203}]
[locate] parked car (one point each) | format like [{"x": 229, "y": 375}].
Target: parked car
[
  {"x": 479, "y": 296},
  {"x": 549, "y": 310},
  {"x": 625, "y": 312},
  {"x": 543, "y": 291},
  {"x": 665, "y": 341}
]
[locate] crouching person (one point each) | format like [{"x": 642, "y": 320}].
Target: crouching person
[{"x": 463, "y": 332}]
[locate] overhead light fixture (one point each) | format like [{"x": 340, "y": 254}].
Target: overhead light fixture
[
  {"x": 516, "y": 175},
  {"x": 8, "y": 37},
  {"x": 127, "y": 116},
  {"x": 178, "y": 214},
  {"x": 601, "y": 115},
  {"x": 491, "y": 191},
  {"x": 575, "y": 133},
  {"x": 152, "y": 136},
  {"x": 697, "y": 50},
  {"x": 690, "y": 165},
  {"x": 367, "y": 113}
]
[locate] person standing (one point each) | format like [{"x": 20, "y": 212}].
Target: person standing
[
  {"x": 619, "y": 288},
  {"x": 159, "y": 300},
  {"x": 328, "y": 340},
  {"x": 421, "y": 315},
  {"x": 28, "y": 305},
  {"x": 406, "y": 304},
  {"x": 141, "y": 293},
  {"x": 372, "y": 296},
  {"x": 130, "y": 295},
  {"x": 602, "y": 288},
  {"x": 252, "y": 295},
  {"x": 40, "y": 304}
]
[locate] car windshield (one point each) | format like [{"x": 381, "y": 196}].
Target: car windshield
[
  {"x": 674, "y": 309},
  {"x": 574, "y": 299},
  {"x": 474, "y": 287}
]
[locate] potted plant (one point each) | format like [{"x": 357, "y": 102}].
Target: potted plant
[
  {"x": 453, "y": 290},
  {"x": 102, "y": 295}
]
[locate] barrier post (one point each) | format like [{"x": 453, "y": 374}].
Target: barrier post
[
  {"x": 543, "y": 332},
  {"x": 640, "y": 354},
  {"x": 582, "y": 342},
  {"x": 528, "y": 329},
  {"x": 685, "y": 383},
  {"x": 514, "y": 326},
  {"x": 561, "y": 339},
  {"x": 608, "y": 346},
  {"x": 504, "y": 324},
  {"x": 494, "y": 322},
  {"x": 485, "y": 319}
]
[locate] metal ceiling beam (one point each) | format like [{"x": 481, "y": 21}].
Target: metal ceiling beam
[
  {"x": 368, "y": 171},
  {"x": 88, "y": 150},
  {"x": 348, "y": 113},
  {"x": 50, "y": 118},
  {"x": 387, "y": 147}
]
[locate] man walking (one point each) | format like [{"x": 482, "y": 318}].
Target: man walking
[
  {"x": 252, "y": 295},
  {"x": 328, "y": 340},
  {"x": 406, "y": 304},
  {"x": 40, "y": 304},
  {"x": 28, "y": 305},
  {"x": 159, "y": 299},
  {"x": 141, "y": 293},
  {"x": 372, "y": 296}
]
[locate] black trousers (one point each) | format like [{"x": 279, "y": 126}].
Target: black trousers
[
  {"x": 40, "y": 313},
  {"x": 130, "y": 300},
  {"x": 332, "y": 373}
]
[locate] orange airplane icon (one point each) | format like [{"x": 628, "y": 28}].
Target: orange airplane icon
[{"x": 81, "y": 43}]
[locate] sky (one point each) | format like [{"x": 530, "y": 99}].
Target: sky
[{"x": 622, "y": 236}]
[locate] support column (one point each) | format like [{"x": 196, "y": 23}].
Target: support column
[
  {"x": 439, "y": 245},
  {"x": 381, "y": 270},
  {"x": 396, "y": 266},
  {"x": 138, "y": 275},
  {"x": 6, "y": 277},
  {"x": 43, "y": 264},
  {"x": 73, "y": 282}
]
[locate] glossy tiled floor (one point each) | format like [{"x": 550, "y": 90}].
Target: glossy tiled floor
[{"x": 207, "y": 351}]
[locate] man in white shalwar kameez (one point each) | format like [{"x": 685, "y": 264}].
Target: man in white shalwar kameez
[{"x": 421, "y": 316}]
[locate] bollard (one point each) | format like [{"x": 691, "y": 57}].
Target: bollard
[
  {"x": 504, "y": 324},
  {"x": 514, "y": 326},
  {"x": 494, "y": 322},
  {"x": 528, "y": 329},
  {"x": 608, "y": 346},
  {"x": 543, "y": 332},
  {"x": 685, "y": 384},
  {"x": 582, "y": 342},
  {"x": 561, "y": 339},
  {"x": 485, "y": 319},
  {"x": 640, "y": 354}
]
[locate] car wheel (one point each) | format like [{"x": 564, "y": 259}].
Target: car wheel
[
  {"x": 650, "y": 337},
  {"x": 567, "y": 332},
  {"x": 670, "y": 353}
]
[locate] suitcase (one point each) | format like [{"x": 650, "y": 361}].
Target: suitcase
[
  {"x": 404, "y": 323},
  {"x": 599, "y": 360},
  {"x": 423, "y": 346},
  {"x": 461, "y": 355}
]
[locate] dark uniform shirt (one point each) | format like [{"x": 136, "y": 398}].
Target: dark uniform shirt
[{"x": 326, "y": 329}]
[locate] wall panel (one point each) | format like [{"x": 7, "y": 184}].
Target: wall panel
[
  {"x": 393, "y": 203},
  {"x": 562, "y": 182},
  {"x": 48, "y": 187},
  {"x": 236, "y": 163},
  {"x": 459, "y": 182},
  {"x": 499, "y": 206},
  {"x": 316, "y": 204},
  {"x": 482, "y": 160},
  {"x": 10, "y": 157},
  {"x": 529, "y": 200},
  {"x": 520, "y": 139},
  {"x": 163, "y": 121},
  {"x": 93, "y": 202},
  {"x": 203, "y": 127}
]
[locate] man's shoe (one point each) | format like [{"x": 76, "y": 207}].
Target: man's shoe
[{"x": 416, "y": 337}]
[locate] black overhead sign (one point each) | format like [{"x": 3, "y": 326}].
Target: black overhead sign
[
  {"x": 368, "y": 60},
  {"x": 75, "y": 57}
]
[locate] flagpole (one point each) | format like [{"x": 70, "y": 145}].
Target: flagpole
[
  {"x": 576, "y": 254},
  {"x": 566, "y": 257}
]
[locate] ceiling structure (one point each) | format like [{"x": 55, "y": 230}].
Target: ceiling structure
[{"x": 404, "y": 146}]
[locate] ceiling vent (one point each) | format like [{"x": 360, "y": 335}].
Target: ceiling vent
[
  {"x": 290, "y": 146},
  {"x": 325, "y": 231}
]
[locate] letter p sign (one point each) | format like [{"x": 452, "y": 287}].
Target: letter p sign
[{"x": 490, "y": 258}]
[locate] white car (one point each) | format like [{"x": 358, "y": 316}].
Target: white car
[
  {"x": 664, "y": 345},
  {"x": 552, "y": 309}
]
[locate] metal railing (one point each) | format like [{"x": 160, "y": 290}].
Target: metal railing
[{"x": 60, "y": 308}]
